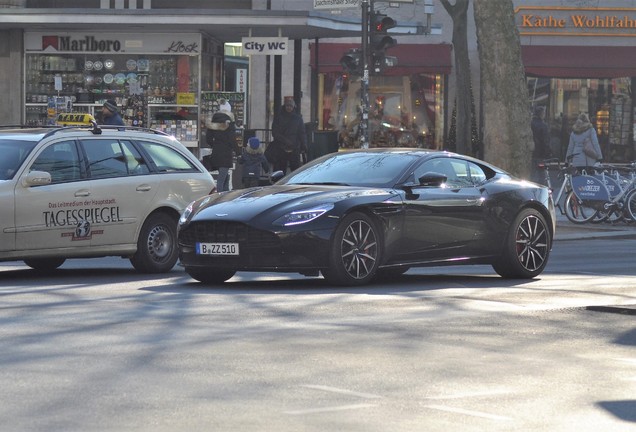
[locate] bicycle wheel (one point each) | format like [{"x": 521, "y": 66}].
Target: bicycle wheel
[
  {"x": 576, "y": 211},
  {"x": 609, "y": 216},
  {"x": 630, "y": 205}
]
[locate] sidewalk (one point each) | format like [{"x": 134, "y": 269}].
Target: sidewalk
[{"x": 567, "y": 230}]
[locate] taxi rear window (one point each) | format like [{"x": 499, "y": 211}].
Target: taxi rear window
[{"x": 167, "y": 159}]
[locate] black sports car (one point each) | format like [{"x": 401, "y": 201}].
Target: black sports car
[{"x": 361, "y": 214}]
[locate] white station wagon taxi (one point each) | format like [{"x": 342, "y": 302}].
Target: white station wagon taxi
[{"x": 74, "y": 192}]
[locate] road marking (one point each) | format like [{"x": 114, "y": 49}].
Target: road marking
[
  {"x": 329, "y": 409},
  {"x": 341, "y": 391},
  {"x": 469, "y": 395},
  {"x": 468, "y": 412}
]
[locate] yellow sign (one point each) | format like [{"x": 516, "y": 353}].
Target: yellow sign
[
  {"x": 72, "y": 119},
  {"x": 185, "y": 99}
]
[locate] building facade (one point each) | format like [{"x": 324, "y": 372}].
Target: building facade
[{"x": 168, "y": 63}]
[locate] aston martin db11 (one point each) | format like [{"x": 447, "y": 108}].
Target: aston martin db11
[{"x": 358, "y": 215}]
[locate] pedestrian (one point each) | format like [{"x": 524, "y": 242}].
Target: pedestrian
[
  {"x": 583, "y": 148},
  {"x": 288, "y": 132},
  {"x": 221, "y": 137},
  {"x": 110, "y": 114},
  {"x": 541, "y": 137},
  {"x": 254, "y": 162}
]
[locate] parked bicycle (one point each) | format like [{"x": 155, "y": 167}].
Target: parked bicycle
[
  {"x": 566, "y": 201},
  {"x": 594, "y": 194}
]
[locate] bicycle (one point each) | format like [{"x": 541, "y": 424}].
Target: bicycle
[
  {"x": 603, "y": 197},
  {"x": 622, "y": 190},
  {"x": 577, "y": 210}
]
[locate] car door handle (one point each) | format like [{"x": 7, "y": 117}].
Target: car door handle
[
  {"x": 82, "y": 193},
  {"x": 144, "y": 188}
]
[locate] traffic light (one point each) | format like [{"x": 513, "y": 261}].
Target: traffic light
[
  {"x": 380, "y": 41},
  {"x": 351, "y": 61}
]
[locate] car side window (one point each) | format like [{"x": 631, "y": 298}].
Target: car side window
[
  {"x": 61, "y": 160},
  {"x": 134, "y": 161},
  {"x": 167, "y": 159},
  {"x": 455, "y": 171},
  {"x": 477, "y": 174},
  {"x": 105, "y": 158}
]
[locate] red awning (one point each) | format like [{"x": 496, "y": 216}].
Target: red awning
[
  {"x": 579, "y": 61},
  {"x": 411, "y": 58}
]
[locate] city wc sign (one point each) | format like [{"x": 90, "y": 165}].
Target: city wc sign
[{"x": 265, "y": 46}]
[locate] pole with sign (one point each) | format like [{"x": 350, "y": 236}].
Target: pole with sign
[{"x": 364, "y": 90}]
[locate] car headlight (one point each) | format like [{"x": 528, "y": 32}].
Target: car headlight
[
  {"x": 303, "y": 216},
  {"x": 187, "y": 212},
  {"x": 191, "y": 209}
]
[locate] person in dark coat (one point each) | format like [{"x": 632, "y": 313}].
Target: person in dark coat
[
  {"x": 288, "y": 132},
  {"x": 541, "y": 137},
  {"x": 254, "y": 162},
  {"x": 110, "y": 114},
  {"x": 221, "y": 137}
]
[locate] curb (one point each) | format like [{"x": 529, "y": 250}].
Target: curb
[
  {"x": 587, "y": 235},
  {"x": 623, "y": 310}
]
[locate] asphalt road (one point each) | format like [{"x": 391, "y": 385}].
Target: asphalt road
[{"x": 98, "y": 347}]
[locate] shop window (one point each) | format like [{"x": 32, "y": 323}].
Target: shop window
[
  {"x": 404, "y": 111},
  {"x": 608, "y": 102}
]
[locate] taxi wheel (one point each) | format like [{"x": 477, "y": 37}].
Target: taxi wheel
[
  {"x": 157, "y": 245},
  {"x": 44, "y": 264}
]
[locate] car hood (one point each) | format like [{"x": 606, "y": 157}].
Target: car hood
[{"x": 246, "y": 204}]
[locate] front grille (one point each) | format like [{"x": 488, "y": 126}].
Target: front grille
[{"x": 227, "y": 232}]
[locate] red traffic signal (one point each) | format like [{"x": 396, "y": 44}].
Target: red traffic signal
[{"x": 381, "y": 23}]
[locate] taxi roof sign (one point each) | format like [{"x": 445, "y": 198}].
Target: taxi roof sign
[{"x": 75, "y": 119}]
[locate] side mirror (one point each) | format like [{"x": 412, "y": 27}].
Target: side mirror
[
  {"x": 432, "y": 179},
  {"x": 36, "y": 178},
  {"x": 276, "y": 175}
]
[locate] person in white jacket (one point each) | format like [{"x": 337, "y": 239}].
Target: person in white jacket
[{"x": 583, "y": 131}]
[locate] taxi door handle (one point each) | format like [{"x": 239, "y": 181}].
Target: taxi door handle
[
  {"x": 144, "y": 188},
  {"x": 82, "y": 193}
]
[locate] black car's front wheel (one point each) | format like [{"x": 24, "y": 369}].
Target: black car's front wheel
[
  {"x": 207, "y": 276},
  {"x": 355, "y": 251},
  {"x": 527, "y": 247}
]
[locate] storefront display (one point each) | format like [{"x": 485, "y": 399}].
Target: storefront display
[
  {"x": 407, "y": 102},
  {"x": 405, "y": 111},
  {"x": 608, "y": 102},
  {"x": 155, "y": 79}
]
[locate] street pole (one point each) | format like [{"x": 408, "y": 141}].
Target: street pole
[{"x": 364, "y": 87}]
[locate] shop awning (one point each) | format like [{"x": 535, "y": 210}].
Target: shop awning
[
  {"x": 412, "y": 58},
  {"x": 579, "y": 61}
]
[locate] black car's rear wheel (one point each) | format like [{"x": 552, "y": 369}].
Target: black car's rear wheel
[
  {"x": 355, "y": 251},
  {"x": 527, "y": 247},
  {"x": 44, "y": 264},
  {"x": 208, "y": 276}
]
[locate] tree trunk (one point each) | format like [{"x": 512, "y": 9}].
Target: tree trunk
[
  {"x": 506, "y": 118},
  {"x": 459, "y": 14}
]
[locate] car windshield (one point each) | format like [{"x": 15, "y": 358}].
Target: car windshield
[
  {"x": 12, "y": 154},
  {"x": 354, "y": 169}
]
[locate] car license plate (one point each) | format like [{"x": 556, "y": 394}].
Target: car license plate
[{"x": 217, "y": 249}]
